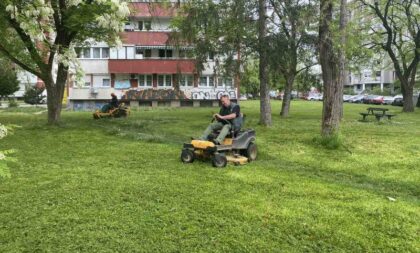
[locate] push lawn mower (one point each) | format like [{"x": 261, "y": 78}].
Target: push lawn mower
[
  {"x": 238, "y": 148},
  {"x": 121, "y": 111}
]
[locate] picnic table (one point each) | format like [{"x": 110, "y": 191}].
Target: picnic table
[{"x": 379, "y": 113}]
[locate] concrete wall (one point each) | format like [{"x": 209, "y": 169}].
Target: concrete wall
[{"x": 94, "y": 66}]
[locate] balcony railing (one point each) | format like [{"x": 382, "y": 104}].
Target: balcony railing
[{"x": 152, "y": 66}]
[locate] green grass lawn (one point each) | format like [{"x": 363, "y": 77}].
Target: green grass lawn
[{"x": 118, "y": 185}]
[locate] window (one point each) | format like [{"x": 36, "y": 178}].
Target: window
[
  {"x": 228, "y": 82},
  {"x": 105, "y": 52},
  {"x": 86, "y": 84},
  {"x": 211, "y": 81},
  {"x": 220, "y": 81},
  {"x": 78, "y": 52},
  {"x": 145, "y": 80},
  {"x": 141, "y": 25},
  {"x": 164, "y": 80},
  {"x": 163, "y": 53},
  {"x": 148, "y": 53},
  {"x": 96, "y": 52},
  {"x": 86, "y": 53},
  {"x": 148, "y": 25},
  {"x": 189, "y": 80},
  {"x": 203, "y": 81},
  {"x": 128, "y": 27},
  {"x": 106, "y": 82},
  {"x": 378, "y": 73},
  {"x": 186, "y": 80},
  {"x": 211, "y": 56}
]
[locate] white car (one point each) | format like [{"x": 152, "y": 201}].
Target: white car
[
  {"x": 314, "y": 97},
  {"x": 346, "y": 98},
  {"x": 388, "y": 100},
  {"x": 356, "y": 99}
]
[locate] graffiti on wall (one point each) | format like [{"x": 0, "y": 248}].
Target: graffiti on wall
[
  {"x": 213, "y": 93},
  {"x": 171, "y": 94},
  {"x": 151, "y": 94}
]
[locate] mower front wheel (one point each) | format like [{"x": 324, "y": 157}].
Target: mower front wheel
[
  {"x": 187, "y": 156},
  {"x": 219, "y": 161},
  {"x": 251, "y": 152}
]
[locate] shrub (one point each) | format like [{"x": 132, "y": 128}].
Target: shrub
[
  {"x": 33, "y": 95},
  {"x": 13, "y": 103}
]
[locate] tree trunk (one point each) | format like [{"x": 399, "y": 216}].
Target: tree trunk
[
  {"x": 265, "y": 107},
  {"x": 287, "y": 96},
  {"x": 238, "y": 73},
  {"x": 55, "y": 92},
  {"x": 418, "y": 101},
  {"x": 408, "y": 94},
  {"x": 333, "y": 91},
  {"x": 342, "y": 54}
]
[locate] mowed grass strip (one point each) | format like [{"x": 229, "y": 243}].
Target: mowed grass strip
[{"x": 117, "y": 185}]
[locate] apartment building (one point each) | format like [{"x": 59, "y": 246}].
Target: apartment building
[{"x": 148, "y": 69}]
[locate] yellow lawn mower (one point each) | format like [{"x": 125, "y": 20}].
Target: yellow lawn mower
[
  {"x": 238, "y": 148},
  {"x": 108, "y": 111}
]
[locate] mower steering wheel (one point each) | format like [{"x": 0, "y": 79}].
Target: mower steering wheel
[{"x": 228, "y": 122}]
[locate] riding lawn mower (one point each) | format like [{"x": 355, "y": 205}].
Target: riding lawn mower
[{"x": 238, "y": 148}]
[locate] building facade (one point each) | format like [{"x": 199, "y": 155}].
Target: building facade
[
  {"x": 148, "y": 70},
  {"x": 368, "y": 80}
]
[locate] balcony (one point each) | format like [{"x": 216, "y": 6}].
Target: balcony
[
  {"x": 145, "y": 38},
  {"x": 152, "y": 66}
]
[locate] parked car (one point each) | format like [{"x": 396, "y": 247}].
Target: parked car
[
  {"x": 346, "y": 98},
  {"x": 356, "y": 99},
  {"x": 398, "y": 101},
  {"x": 314, "y": 97},
  {"x": 388, "y": 100},
  {"x": 378, "y": 100},
  {"x": 369, "y": 99}
]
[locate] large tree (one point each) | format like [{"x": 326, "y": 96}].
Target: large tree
[
  {"x": 394, "y": 27},
  {"x": 293, "y": 42},
  {"x": 40, "y": 35},
  {"x": 330, "y": 55}
]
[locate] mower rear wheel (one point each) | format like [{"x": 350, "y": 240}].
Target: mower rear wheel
[
  {"x": 187, "y": 156},
  {"x": 251, "y": 152},
  {"x": 219, "y": 161}
]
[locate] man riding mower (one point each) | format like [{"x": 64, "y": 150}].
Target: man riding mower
[
  {"x": 223, "y": 141},
  {"x": 113, "y": 109}
]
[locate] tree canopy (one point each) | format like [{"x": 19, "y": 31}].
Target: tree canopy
[{"x": 40, "y": 36}]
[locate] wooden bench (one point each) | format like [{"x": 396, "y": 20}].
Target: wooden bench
[
  {"x": 390, "y": 116},
  {"x": 364, "y": 114},
  {"x": 379, "y": 116},
  {"x": 371, "y": 112}
]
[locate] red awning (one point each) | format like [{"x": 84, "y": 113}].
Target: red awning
[{"x": 151, "y": 66}]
